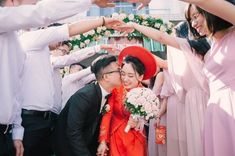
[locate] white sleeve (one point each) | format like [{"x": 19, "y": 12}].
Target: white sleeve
[
  {"x": 41, "y": 14},
  {"x": 18, "y": 129},
  {"x": 78, "y": 75},
  {"x": 87, "y": 79},
  {"x": 36, "y": 40},
  {"x": 74, "y": 57}
]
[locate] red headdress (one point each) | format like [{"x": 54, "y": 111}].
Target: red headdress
[{"x": 144, "y": 56}]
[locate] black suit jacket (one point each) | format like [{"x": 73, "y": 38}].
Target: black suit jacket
[{"x": 77, "y": 129}]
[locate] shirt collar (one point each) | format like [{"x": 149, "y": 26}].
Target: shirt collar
[{"x": 104, "y": 92}]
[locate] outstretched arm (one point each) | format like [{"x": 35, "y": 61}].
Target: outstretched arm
[
  {"x": 220, "y": 8},
  {"x": 87, "y": 25},
  {"x": 41, "y": 14},
  {"x": 151, "y": 33}
]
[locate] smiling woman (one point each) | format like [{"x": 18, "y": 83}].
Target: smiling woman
[
  {"x": 134, "y": 70},
  {"x": 219, "y": 116}
]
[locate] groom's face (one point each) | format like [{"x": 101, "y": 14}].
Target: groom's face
[{"x": 112, "y": 74}]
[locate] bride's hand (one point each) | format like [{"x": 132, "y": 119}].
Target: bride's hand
[
  {"x": 102, "y": 149},
  {"x": 132, "y": 122}
]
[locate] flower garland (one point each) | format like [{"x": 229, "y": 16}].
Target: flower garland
[{"x": 82, "y": 40}]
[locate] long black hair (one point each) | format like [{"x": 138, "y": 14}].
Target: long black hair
[
  {"x": 214, "y": 23},
  {"x": 201, "y": 46}
]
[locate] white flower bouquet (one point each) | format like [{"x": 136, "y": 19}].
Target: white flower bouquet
[{"x": 143, "y": 105}]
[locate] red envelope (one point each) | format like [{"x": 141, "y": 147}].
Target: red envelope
[{"x": 160, "y": 134}]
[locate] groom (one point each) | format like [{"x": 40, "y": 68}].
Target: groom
[{"x": 77, "y": 129}]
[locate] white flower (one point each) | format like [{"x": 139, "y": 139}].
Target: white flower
[
  {"x": 87, "y": 41},
  {"x": 85, "y": 34},
  {"x": 115, "y": 15},
  {"x": 103, "y": 28},
  {"x": 99, "y": 29},
  {"x": 92, "y": 32},
  {"x": 82, "y": 45},
  {"x": 78, "y": 37},
  {"x": 145, "y": 16},
  {"x": 143, "y": 99},
  {"x": 107, "y": 33},
  {"x": 170, "y": 25},
  {"x": 145, "y": 23},
  {"x": 76, "y": 47},
  {"x": 163, "y": 28},
  {"x": 131, "y": 17},
  {"x": 107, "y": 107},
  {"x": 122, "y": 16},
  {"x": 157, "y": 25}
]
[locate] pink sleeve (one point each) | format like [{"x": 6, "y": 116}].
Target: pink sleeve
[
  {"x": 195, "y": 64},
  {"x": 177, "y": 66},
  {"x": 167, "y": 89}
]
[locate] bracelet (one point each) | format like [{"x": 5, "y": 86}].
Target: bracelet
[{"x": 103, "y": 21}]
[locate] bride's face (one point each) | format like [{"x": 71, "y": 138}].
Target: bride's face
[{"x": 130, "y": 78}]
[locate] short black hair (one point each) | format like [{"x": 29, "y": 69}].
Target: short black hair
[
  {"x": 102, "y": 62},
  {"x": 136, "y": 64}
]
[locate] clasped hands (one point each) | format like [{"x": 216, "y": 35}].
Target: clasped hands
[{"x": 119, "y": 25}]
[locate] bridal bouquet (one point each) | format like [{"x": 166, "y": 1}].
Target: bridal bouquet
[{"x": 143, "y": 105}]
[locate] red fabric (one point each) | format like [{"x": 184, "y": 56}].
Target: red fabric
[
  {"x": 112, "y": 128},
  {"x": 144, "y": 56}
]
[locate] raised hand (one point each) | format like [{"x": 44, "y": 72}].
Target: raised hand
[{"x": 103, "y": 3}]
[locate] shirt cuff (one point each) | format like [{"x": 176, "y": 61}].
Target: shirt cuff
[
  {"x": 17, "y": 133},
  {"x": 64, "y": 32}
]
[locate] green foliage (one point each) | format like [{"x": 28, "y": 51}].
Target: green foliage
[{"x": 82, "y": 40}]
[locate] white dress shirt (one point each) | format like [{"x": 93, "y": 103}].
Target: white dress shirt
[
  {"x": 75, "y": 81},
  {"x": 104, "y": 93},
  {"x": 11, "y": 55},
  {"x": 62, "y": 61},
  {"x": 38, "y": 86}
]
